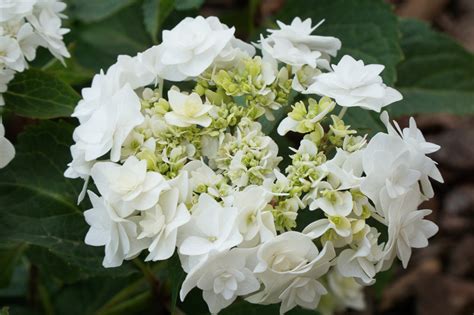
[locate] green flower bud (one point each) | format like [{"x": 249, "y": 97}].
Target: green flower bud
[{"x": 299, "y": 111}]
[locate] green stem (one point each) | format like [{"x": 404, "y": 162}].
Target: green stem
[
  {"x": 49, "y": 64},
  {"x": 378, "y": 218},
  {"x": 45, "y": 300},
  {"x": 121, "y": 295},
  {"x": 342, "y": 112},
  {"x": 131, "y": 304},
  {"x": 155, "y": 286},
  {"x": 145, "y": 270},
  {"x": 161, "y": 81},
  {"x": 252, "y": 9}
]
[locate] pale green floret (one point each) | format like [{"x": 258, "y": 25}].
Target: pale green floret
[
  {"x": 305, "y": 75},
  {"x": 315, "y": 108},
  {"x": 331, "y": 236},
  {"x": 339, "y": 131},
  {"x": 309, "y": 116},
  {"x": 358, "y": 235},
  {"x": 356, "y": 193},
  {"x": 133, "y": 143},
  {"x": 366, "y": 212},
  {"x": 246, "y": 79},
  {"x": 340, "y": 222},
  {"x": 172, "y": 160},
  {"x": 247, "y": 156},
  {"x": 161, "y": 107},
  {"x": 284, "y": 214},
  {"x": 357, "y": 226},
  {"x": 317, "y": 135},
  {"x": 303, "y": 171},
  {"x": 299, "y": 111},
  {"x": 353, "y": 143},
  {"x": 333, "y": 196},
  {"x": 150, "y": 157}
]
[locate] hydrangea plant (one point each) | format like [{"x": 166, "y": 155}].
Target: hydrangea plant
[{"x": 173, "y": 140}]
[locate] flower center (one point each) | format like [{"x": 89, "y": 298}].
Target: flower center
[{"x": 191, "y": 108}]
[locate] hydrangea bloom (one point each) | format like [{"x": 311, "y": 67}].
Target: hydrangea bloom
[
  {"x": 222, "y": 277},
  {"x": 192, "y": 173},
  {"x": 354, "y": 84},
  {"x": 294, "y": 45},
  {"x": 188, "y": 110},
  {"x": 191, "y": 46},
  {"x": 7, "y": 150},
  {"x": 24, "y": 26}
]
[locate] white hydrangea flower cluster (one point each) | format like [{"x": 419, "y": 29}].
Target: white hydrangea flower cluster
[
  {"x": 188, "y": 170},
  {"x": 26, "y": 25}
]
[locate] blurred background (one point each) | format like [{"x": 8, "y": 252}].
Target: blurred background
[{"x": 439, "y": 279}]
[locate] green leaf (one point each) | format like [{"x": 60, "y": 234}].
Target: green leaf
[
  {"x": 436, "y": 75},
  {"x": 367, "y": 28},
  {"x": 73, "y": 73},
  {"x": 188, "y": 4},
  {"x": 37, "y": 94},
  {"x": 243, "y": 307},
  {"x": 103, "y": 296},
  {"x": 18, "y": 286},
  {"x": 9, "y": 255},
  {"x": 154, "y": 13},
  {"x": 365, "y": 121},
  {"x": 38, "y": 206},
  {"x": 99, "y": 43},
  {"x": 95, "y": 10},
  {"x": 383, "y": 280},
  {"x": 4, "y": 311},
  {"x": 176, "y": 277}
]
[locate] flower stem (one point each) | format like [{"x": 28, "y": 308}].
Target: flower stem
[
  {"x": 161, "y": 81},
  {"x": 342, "y": 112},
  {"x": 122, "y": 295},
  {"x": 378, "y": 217},
  {"x": 155, "y": 286},
  {"x": 131, "y": 304}
]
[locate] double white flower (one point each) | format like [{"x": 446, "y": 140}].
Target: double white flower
[
  {"x": 362, "y": 262},
  {"x": 351, "y": 83},
  {"x": 129, "y": 186},
  {"x": 289, "y": 266},
  {"x": 108, "y": 228},
  {"x": 407, "y": 228},
  {"x": 255, "y": 220},
  {"x": 222, "y": 277},
  {"x": 160, "y": 224},
  {"x": 394, "y": 163},
  {"x": 294, "y": 45},
  {"x": 213, "y": 227},
  {"x": 191, "y": 47}
]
